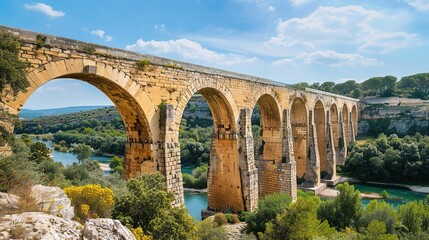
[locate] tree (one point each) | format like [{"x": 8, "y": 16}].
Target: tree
[
  {"x": 327, "y": 86},
  {"x": 175, "y": 223},
  {"x": 346, "y": 87},
  {"x": 377, "y": 231},
  {"x": 209, "y": 230},
  {"x": 82, "y": 151},
  {"x": 299, "y": 221},
  {"x": 414, "y": 216},
  {"x": 380, "y": 211},
  {"x": 117, "y": 164},
  {"x": 12, "y": 69},
  {"x": 148, "y": 205},
  {"x": 39, "y": 152},
  {"x": 416, "y": 85},
  {"x": 268, "y": 208},
  {"x": 345, "y": 210}
]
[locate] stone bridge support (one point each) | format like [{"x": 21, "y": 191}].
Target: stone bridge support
[
  {"x": 342, "y": 144},
  {"x": 169, "y": 153},
  {"x": 313, "y": 167},
  {"x": 352, "y": 128},
  {"x": 288, "y": 164},
  {"x": 330, "y": 145},
  {"x": 248, "y": 170},
  {"x": 225, "y": 192}
]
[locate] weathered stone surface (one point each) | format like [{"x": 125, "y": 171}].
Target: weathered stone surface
[
  {"x": 106, "y": 229},
  {"x": 8, "y": 201},
  {"x": 37, "y": 225},
  {"x": 53, "y": 200},
  {"x": 50, "y": 200}
]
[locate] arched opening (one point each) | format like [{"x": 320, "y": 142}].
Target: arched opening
[
  {"x": 346, "y": 125},
  {"x": 299, "y": 123},
  {"x": 355, "y": 120},
  {"x": 223, "y": 181},
  {"x": 138, "y": 150},
  {"x": 268, "y": 147},
  {"x": 320, "y": 122}
]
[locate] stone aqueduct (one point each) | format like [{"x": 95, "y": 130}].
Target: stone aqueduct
[{"x": 304, "y": 132}]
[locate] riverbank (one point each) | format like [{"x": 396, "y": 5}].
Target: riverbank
[
  {"x": 195, "y": 190},
  {"x": 333, "y": 193},
  {"x": 414, "y": 188}
]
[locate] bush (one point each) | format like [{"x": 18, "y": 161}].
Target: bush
[
  {"x": 345, "y": 210},
  {"x": 381, "y": 211},
  {"x": 234, "y": 219},
  {"x": 384, "y": 194},
  {"x": 148, "y": 204},
  {"x": 220, "y": 219},
  {"x": 139, "y": 234},
  {"x": 90, "y": 201},
  {"x": 208, "y": 230},
  {"x": 267, "y": 210}
]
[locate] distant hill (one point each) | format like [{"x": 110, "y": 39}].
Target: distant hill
[{"x": 29, "y": 113}]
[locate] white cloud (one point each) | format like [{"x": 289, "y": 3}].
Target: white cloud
[
  {"x": 160, "y": 27},
  {"x": 44, "y": 89},
  {"x": 45, "y": 9},
  {"x": 348, "y": 27},
  {"x": 330, "y": 58},
  {"x": 298, "y": 2},
  {"x": 271, "y": 8},
  {"x": 421, "y": 5},
  {"x": 187, "y": 49},
  {"x": 102, "y": 35}
]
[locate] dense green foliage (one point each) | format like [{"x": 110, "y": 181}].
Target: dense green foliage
[
  {"x": 31, "y": 164},
  {"x": 390, "y": 159},
  {"x": 12, "y": 69},
  {"x": 102, "y": 129},
  {"x": 148, "y": 205},
  {"x": 268, "y": 208},
  {"x": 342, "y": 218},
  {"x": 299, "y": 221},
  {"x": 416, "y": 86},
  {"x": 198, "y": 179},
  {"x": 344, "y": 210}
]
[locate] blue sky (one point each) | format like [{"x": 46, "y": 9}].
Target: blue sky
[{"x": 284, "y": 40}]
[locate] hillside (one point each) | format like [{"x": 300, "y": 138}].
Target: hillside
[
  {"x": 29, "y": 113},
  {"x": 67, "y": 121}
]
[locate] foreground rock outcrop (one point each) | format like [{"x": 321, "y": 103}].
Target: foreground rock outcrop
[
  {"x": 49, "y": 217},
  {"x": 106, "y": 228},
  {"x": 50, "y": 200},
  {"x": 38, "y": 225}
]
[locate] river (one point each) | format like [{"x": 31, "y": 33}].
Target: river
[{"x": 196, "y": 201}]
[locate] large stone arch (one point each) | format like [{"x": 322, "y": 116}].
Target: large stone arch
[
  {"x": 120, "y": 88},
  {"x": 196, "y": 86},
  {"x": 269, "y": 154},
  {"x": 320, "y": 122},
  {"x": 299, "y": 123},
  {"x": 224, "y": 183}
]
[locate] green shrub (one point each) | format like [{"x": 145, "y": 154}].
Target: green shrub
[
  {"x": 384, "y": 194},
  {"x": 209, "y": 230},
  {"x": 220, "y": 218},
  {"x": 142, "y": 64},
  {"x": 267, "y": 210},
  {"x": 234, "y": 219}
]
